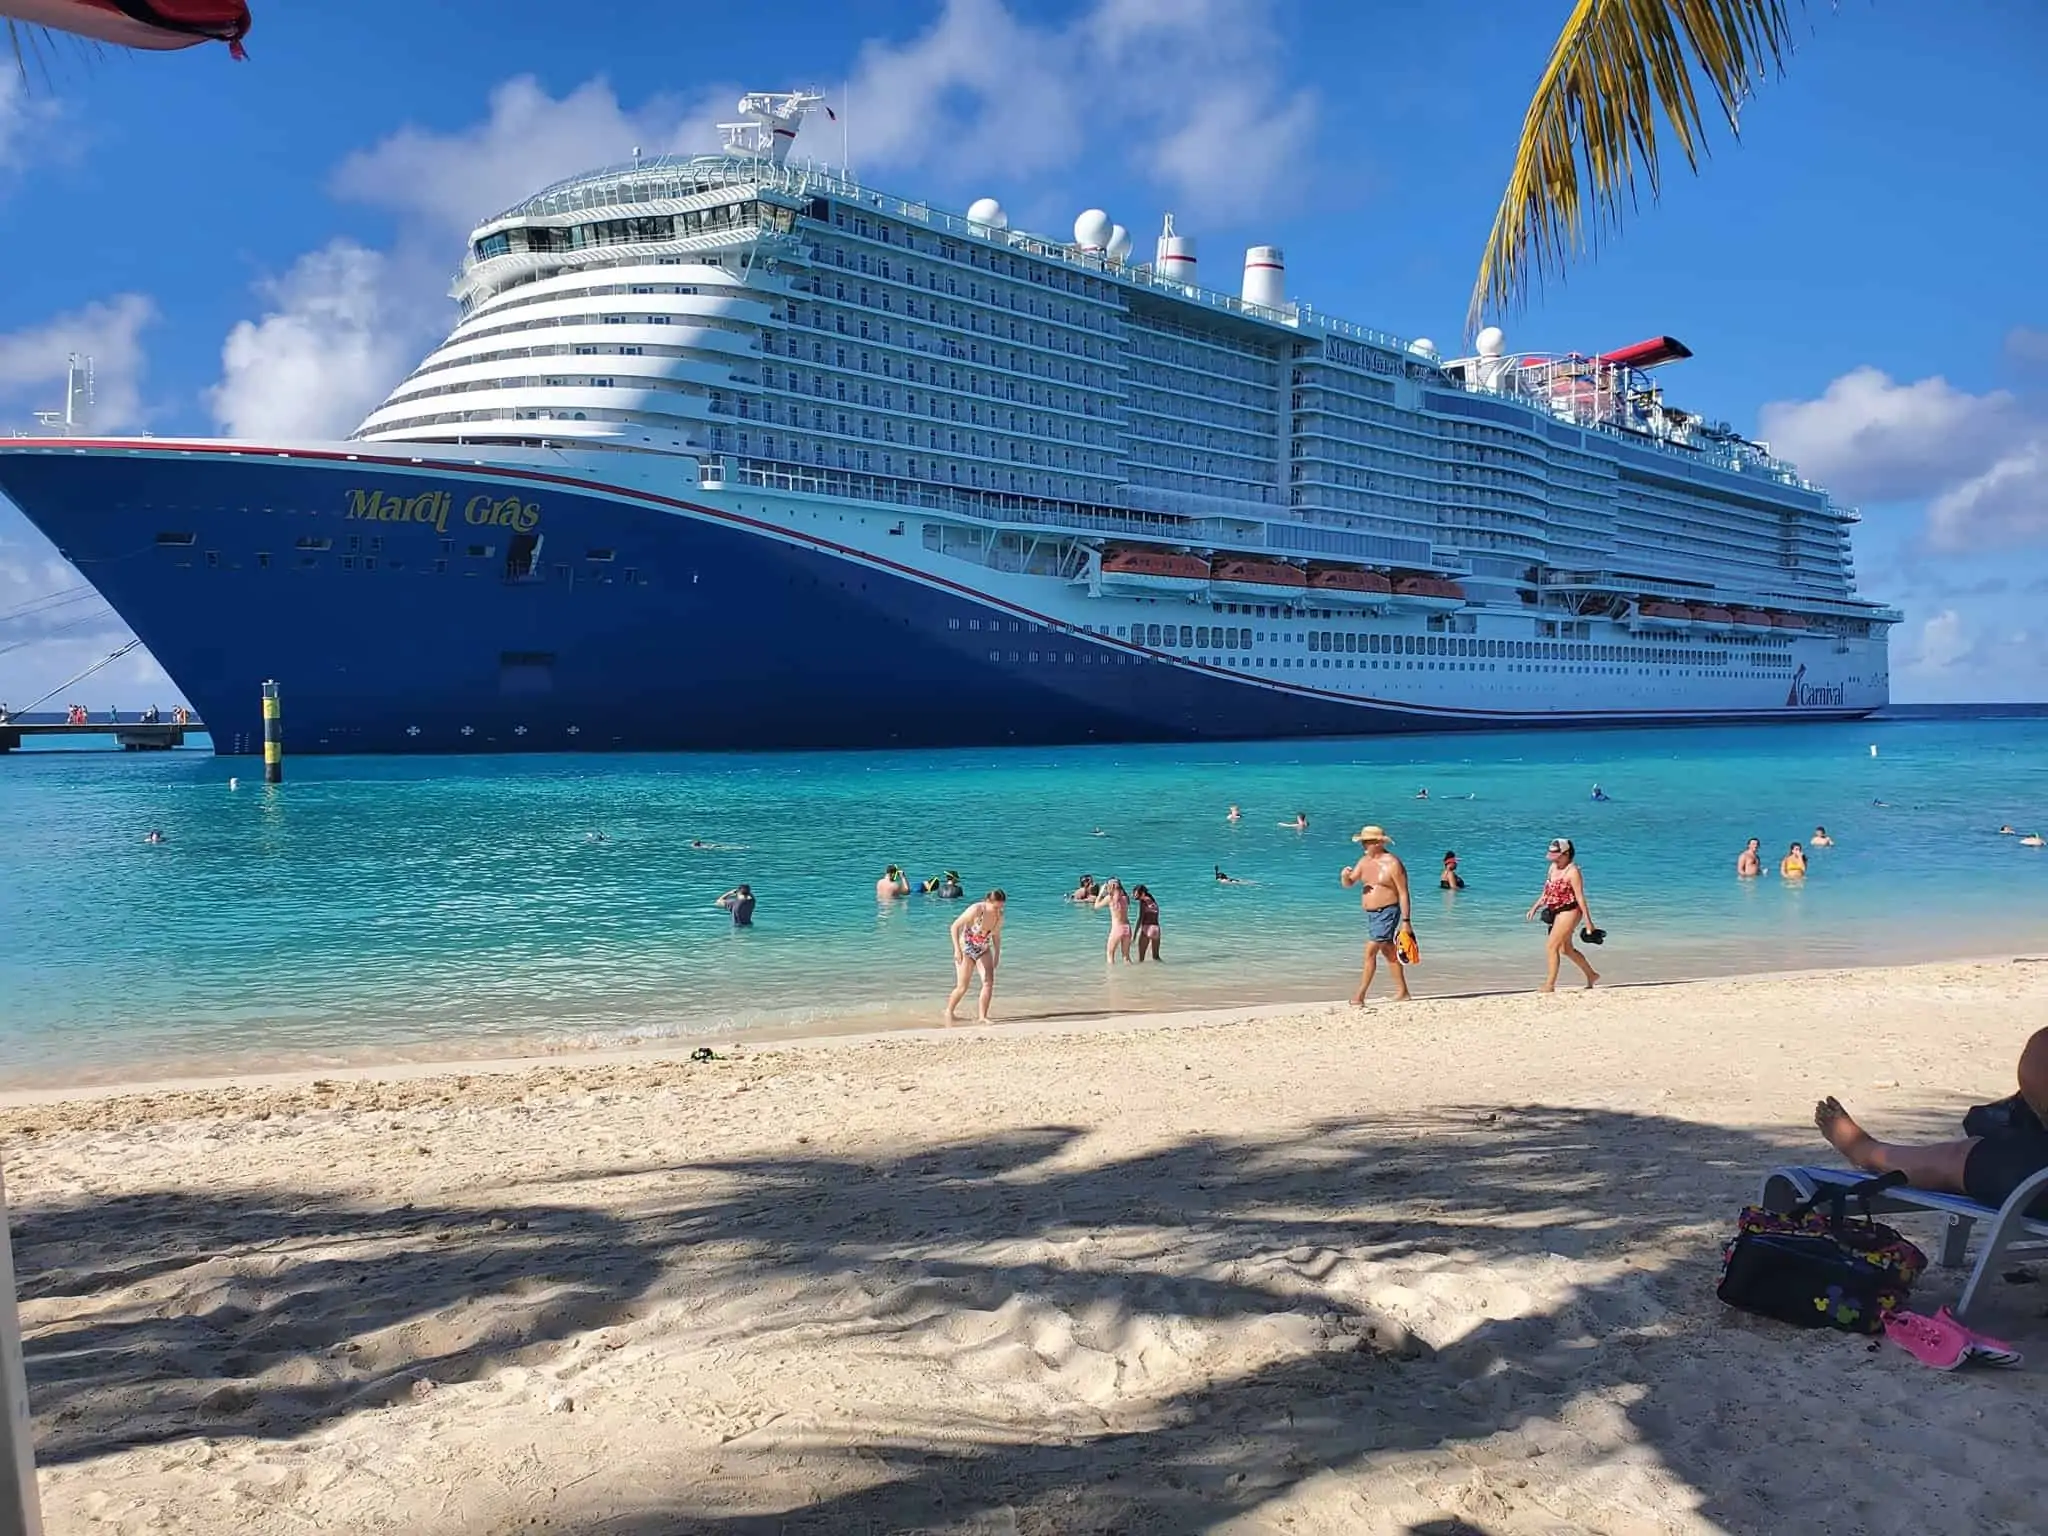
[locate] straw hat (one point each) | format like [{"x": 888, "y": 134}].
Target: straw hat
[{"x": 1373, "y": 835}]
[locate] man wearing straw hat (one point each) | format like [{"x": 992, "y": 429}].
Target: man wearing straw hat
[{"x": 1383, "y": 879}]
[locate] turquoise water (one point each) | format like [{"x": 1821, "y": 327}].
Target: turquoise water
[{"x": 372, "y": 908}]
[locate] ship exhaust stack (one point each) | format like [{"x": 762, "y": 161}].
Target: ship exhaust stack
[
  {"x": 1175, "y": 259},
  {"x": 1265, "y": 277}
]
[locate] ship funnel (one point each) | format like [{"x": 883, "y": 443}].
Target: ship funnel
[
  {"x": 1265, "y": 277},
  {"x": 1175, "y": 255}
]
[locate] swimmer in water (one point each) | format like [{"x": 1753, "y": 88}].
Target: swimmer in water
[
  {"x": 595, "y": 837},
  {"x": 154, "y": 836},
  {"x": 949, "y": 886},
  {"x": 894, "y": 883},
  {"x": 1299, "y": 824},
  {"x": 1422, "y": 794},
  {"x": 1223, "y": 879},
  {"x": 1600, "y": 794},
  {"x": 1820, "y": 838},
  {"x": 2006, "y": 831},
  {"x": 1235, "y": 815},
  {"x": 1882, "y": 805},
  {"x": 1793, "y": 865},
  {"x": 2031, "y": 840},
  {"x": 1749, "y": 863},
  {"x": 1098, "y": 832},
  {"x": 1086, "y": 891},
  {"x": 234, "y": 783},
  {"x": 1450, "y": 879}
]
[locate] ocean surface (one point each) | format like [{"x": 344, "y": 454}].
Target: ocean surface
[{"x": 374, "y": 909}]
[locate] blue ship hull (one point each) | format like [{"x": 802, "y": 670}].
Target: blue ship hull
[{"x": 701, "y": 631}]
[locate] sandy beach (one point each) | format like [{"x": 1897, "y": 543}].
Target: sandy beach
[{"x": 1443, "y": 1268}]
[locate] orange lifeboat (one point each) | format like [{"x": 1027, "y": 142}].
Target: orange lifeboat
[
  {"x": 1752, "y": 618},
  {"x": 1674, "y": 612},
  {"x": 1137, "y": 569},
  {"x": 1259, "y": 580},
  {"x": 1713, "y": 615},
  {"x": 1348, "y": 585},
  {"x": 1787, "y": 621},
  {"x": 1434, "y": 592}
]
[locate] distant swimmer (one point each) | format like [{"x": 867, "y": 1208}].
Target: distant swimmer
[
  {"x": 153, "y": 836},
  {"x": 1750, "y": 863},
  {"x": 2002, "y": 831},
  {"x": 894, "y": 883},
  {"x": 1086, "y": 891},
  {"x": 1450, "y": 879},
  {"x": 1299, "y": 824},
  {"x": 1882, "y": 805},
  {"x": 1223, "y": 879},
  {"x": 1422, "y": 794},
  {"x": 595, "y": 837},
  {"x": 2031, "y": 840},
  {"x": 1793, "y": 865},
  {"x": 1235, "y": 815},
  {"x": 1820, "y": 838},
  {"x": 234, "y": 783},
  {"x": 1098, "y": 832},
  {"x": 739, "y": 901},
  {"x": 1600, "y": 794}
]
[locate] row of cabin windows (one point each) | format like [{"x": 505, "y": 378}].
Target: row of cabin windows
[
  {"x": 658, "y": 226},
  {"x": 1520, "y": 650}
]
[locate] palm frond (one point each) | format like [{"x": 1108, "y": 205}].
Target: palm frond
[
  {"x": 39, "y": 46},
  {"x": 1590, "y": 138}
]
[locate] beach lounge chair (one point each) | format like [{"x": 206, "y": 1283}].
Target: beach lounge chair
[{"x": 2009, "y": 1233}]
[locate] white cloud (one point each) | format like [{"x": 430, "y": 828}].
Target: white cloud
[
  {"x": 1193, "y": 90},
  {"x": 1980, "y": 461},
  {"x": 33, "y": 361},
  {"x": 1940, "y": 645},
  {"x": 337, "y": 332},
  {"x": 2027, "y": 344},
  {"x": 448, "y": 182}
]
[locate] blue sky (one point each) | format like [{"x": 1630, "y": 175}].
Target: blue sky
[{"x": 264, "y": 247}]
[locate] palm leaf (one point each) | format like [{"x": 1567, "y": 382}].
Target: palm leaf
[{"x": 1591, "y": 134}]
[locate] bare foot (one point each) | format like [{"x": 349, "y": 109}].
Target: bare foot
[
  {"x": 1358, "y": 998},
  {"x": 1591, "y": 977},
  {"x": 1404, "y": 996},
  {"x": 1842, "y": 1132},
  {"x": 949, "y": 1017},
  {"x": 1548, "y": 986}
]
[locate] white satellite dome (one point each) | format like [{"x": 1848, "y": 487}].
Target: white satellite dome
[
  {"x": 1092, "y": 230},
  {"x": 1119, "y": 247},
  {"x": 1491, "y": 342},
  {"x": 1422, "y": 346},
  {"x": 988, "y": 213}
]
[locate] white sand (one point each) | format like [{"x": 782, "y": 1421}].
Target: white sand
[{"x": 1323, "y": 1271}]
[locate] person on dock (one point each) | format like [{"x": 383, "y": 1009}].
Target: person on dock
[
  {"x": 1750, "y": 862},
  {"x": 1118, "y": 901},
  {"x": 1986, "y": 1167},
  {"x": 1563, "y": 910},
  {"x": 739, "y": 901},
  {"x": 1148, "y": 921},
  {"x": 1383, "y": 894},
  {"x": 893, "y": 884},
  {"x": 977, "y": 946}
]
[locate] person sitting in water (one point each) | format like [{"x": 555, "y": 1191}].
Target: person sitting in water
[
  {"x": 1820, "y": 838},
  {"x": 1600, "y": 794},
  {"x": 1986, "y": 1168},
  {"x": 1793, "y": 865},
  {"x": 739, "y": 901},
  {"x": 1450, "y": 879},
  {"x": 1086, "y": 891},
  {"x": 1749, "y": 863},
  {"x": 1235, "y": 815},
  {"x": 894, "y": 883},
  {"x": 154, "y": 836}
]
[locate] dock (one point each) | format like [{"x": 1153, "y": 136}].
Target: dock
[{"x": 129, "y": 736}]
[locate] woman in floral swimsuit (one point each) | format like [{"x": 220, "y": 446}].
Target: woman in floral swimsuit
[{"x": 977, "y": 946}]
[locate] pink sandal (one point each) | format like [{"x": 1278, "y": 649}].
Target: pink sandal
[
  {"x": 1939, "y": 1341},
  {"x": 1981, "y": 1346}
]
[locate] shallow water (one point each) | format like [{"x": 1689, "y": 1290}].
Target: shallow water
[{"x": 373, "y": 908}]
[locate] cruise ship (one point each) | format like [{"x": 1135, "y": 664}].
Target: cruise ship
[{"x": 734, "y": 451}]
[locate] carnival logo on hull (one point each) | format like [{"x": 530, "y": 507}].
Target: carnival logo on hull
[
  {"x": 1805, "y": 695},
  {"x": 434, "y": 507}
]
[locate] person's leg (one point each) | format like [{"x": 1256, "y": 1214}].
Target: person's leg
[
  {"x": 1936, "y": 1165},
  {"x": 1569, "y": 922},
  {"x": 988, "y": 985},
  {"x": 963, "y": 973},
  {"x": 1372, "y": 964},
  {"x": 1400, "y": 973},
  {"x": 1550, "y": 957}
]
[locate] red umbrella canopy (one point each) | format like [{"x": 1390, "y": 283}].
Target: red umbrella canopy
[{"x": 139, "y": 23}]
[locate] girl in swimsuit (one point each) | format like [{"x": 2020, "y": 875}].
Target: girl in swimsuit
[
  {"x": 1148, "y": 921},
  {"x": 1562, "y": 907},
  {"x": 1118, "y": 901},
  {"x": 977, "y": 946}
]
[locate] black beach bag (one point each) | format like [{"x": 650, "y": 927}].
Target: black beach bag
[{"x": 1816, "y": 1268}]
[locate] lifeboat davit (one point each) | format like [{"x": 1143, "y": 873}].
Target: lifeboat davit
[
  {"x": 156, "y": 24},
  {"x": 1153, "y": 571},
  {"x": 1262, "y": 581},
  {"x": 1349, "y": 586},
  {"x": 1432, "y": 592}
]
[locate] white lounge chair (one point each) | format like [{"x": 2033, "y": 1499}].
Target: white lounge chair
[{"x": 2011, "y": 1233}]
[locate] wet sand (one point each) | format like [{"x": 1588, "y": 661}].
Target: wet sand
[{"x": 1301, "y": 1269}]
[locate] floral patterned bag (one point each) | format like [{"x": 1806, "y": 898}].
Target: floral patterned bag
[{"x": 1818, "y": 1269}]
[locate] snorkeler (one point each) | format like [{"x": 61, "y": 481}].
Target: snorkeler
[{"x": 1223, "y": 879}]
